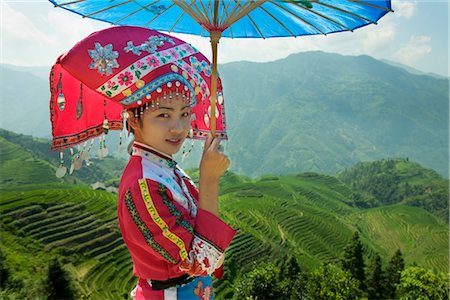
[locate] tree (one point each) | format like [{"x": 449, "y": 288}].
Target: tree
[
  {"x": 331, "y": 282},
  {"x": 4, "y": 271},
  {"x": 418, "y": 283},
  {"x": 375, "y": 278},
  {"x": 260, "y": 283},
  {"x": 58, "y": 282},
  {"x": 353, "y": 260},
  {"x": 393, "y": 271}
]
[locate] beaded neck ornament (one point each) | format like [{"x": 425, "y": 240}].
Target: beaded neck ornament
[{"x": 125, "y": 68}]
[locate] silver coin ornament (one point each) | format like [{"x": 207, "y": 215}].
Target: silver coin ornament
[
  {"x": 61, "y": 171},
  {"x": 206, "y": 119}
]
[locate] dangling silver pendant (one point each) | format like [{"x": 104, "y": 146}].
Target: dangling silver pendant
[
  {"x": 61, "y": 101},
  {"x": 61, "y": 171},
  {"x": 220, "y": 98},
  {"x": 206, "y": 119},
  {"x": 78, "y": 162},
  {"x": 72, "y": 167},
  {"x": 79, "y": 108}
]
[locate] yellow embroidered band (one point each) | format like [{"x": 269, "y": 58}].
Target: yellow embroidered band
[{"x": 159, "y": 221}]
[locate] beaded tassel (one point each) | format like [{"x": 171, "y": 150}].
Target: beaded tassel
[{"x": 72, "y": 158}]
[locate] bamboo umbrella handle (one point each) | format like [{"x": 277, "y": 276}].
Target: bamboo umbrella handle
[{"x": 215, "y": 37}]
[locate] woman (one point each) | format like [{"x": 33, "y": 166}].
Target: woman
[{"x": 172, "y": 230}]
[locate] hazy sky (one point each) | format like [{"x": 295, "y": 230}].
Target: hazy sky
[{"x": 34, "y": 33}]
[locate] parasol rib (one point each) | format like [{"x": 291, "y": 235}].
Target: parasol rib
[
  {"x": 243, "y": 12},
  {"x": 68, "y": 3},
  {"x": 158, "y": 15},
  {"x": 345, "y": 11},
  {"x": 256, "y": 26},
  {"x": 253, "y": 22},
  {"x": 225, "y": 11},
  {"x": 201, "y": 12},
  {"x": 107, "y": 8},
  {"x": 176, "y": 22},
  {"x": 298, "y": 17},
  {"x": 371, "y": 5},
  {"x": 320, "y": 15},
  {"x": 191, "y": 12},
  {"x": 134, "y": 12},
  {"x": 281, "y": 24}
]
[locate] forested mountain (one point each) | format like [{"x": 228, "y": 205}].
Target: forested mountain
[
  {"x": 308, "y": 218},
  {"x": 311, "y": 111}
]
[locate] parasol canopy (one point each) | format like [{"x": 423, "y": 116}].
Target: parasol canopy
[{"x": 234, "y": 18}]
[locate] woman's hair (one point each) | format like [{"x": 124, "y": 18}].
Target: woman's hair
[{"x": 136, "y": 112}]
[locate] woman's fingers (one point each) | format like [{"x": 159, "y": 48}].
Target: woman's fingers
[{"x": 208, "y": 142}]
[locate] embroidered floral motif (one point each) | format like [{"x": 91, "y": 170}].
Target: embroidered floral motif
[
  {"x": 150, "y": 46},
  {"x": 145, "y": 231},
  {"x": 125, "y": 78},
  {"x": 145, "y": 65},
  {"x": 203, "y": 257},
  {"x": 204, "y": 293},
  {"x": 200, "y": 66},
  {"x": 157, "y": 9},
  {"x": 198, "y": 80},
  {"x": 152, "y": 61},
  {"x": 162, "y": 191},
  {"x": 104, "y": 59}
]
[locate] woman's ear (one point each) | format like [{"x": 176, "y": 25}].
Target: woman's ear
[{"x": 133, "y": 121}]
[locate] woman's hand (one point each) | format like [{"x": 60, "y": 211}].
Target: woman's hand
[{"x": 214, "y": 162}]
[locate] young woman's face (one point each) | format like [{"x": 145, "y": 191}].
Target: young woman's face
[{"x": 165, "y": 128}]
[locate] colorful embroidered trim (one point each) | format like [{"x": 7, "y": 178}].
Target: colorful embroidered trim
[
  {"x": 198, "y": 80},
  {"x": 162, "y": 191},
  {"x": 159, "y": 221},
  {"x": 142, "y": 67},
  {"x": 142, "y": 92},
  {"x": 145, "y": 231},
  {"x": 72, "y": 140}
]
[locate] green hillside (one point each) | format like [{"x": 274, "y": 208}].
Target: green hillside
[
  {"x": 27, "y": 159},
  {"x": 311, "y": 111},
  {"x": 303, "y": 216},
  {"x": 399, "y": 181}
]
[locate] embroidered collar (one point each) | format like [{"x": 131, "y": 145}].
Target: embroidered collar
[{"x": 151, "y": 153}]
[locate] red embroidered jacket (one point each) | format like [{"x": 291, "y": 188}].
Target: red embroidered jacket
[{"x": 165, "y": 232}]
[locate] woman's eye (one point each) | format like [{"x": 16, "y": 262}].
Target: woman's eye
[
  {"x": 163, "y": 115},
  {"x": 186, "y": 114}
]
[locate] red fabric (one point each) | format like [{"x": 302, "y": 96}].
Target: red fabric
[
  {"x": 133, "y": 70},
  {"x": 148, "y": 263}
]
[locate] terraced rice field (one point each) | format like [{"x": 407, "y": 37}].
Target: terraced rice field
[
  {"x": 421, "y": 236},
  {"x": 76, "y": 222},
  {"x": 302, "y": 216}
]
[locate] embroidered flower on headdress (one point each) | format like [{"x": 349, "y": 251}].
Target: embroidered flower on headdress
[
  {"x": 150, "y": 46},
  {"x": 200, "y": 66},
  {"x": 125, "y": 79},
  {"x": 152, "y": 61},
  {"x": 104, "y": 59}
]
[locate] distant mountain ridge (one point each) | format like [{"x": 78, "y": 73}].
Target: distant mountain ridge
[{"x": 311, "y": 111}]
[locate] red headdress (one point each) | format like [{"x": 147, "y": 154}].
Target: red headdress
[{"x": 121, "y": 68}]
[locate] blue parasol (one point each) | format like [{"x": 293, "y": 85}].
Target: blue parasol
[{"x": 234, "y": 18}]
